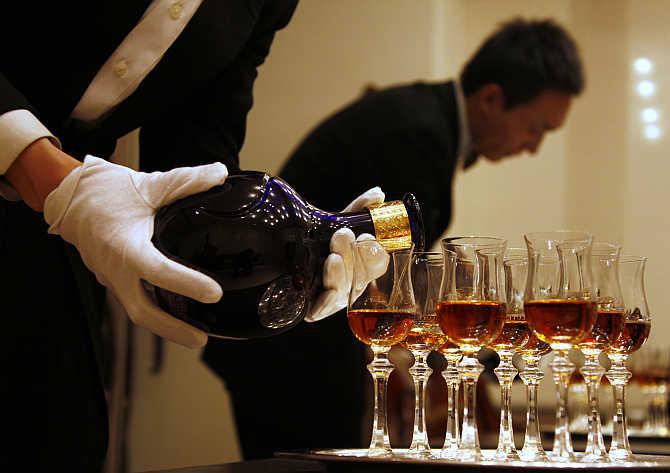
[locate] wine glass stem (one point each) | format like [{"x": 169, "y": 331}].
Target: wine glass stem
[
  {"x": 470, "y": 369},
  {"x": 532, "y": 446},
  {"x": 420, "y": 372},
  {"x": 562, "y": 368},
  {"x": 380, "y": 368},
  {"x": 452, "y": 438},
  {"x": 619, "y": 376},
  {"x": 505, "y": 372},
  {"x": 593, "y": 373}
]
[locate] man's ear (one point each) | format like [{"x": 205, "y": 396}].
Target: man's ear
[{"x": 491, "y": 98}]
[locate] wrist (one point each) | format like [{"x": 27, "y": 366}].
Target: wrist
[{"x": 38, "y": 170}]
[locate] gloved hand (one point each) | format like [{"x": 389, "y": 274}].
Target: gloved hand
[
  {"x": 107, "y": 212},
  {"x": 338, "y": 267}
]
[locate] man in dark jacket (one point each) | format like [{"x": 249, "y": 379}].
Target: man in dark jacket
[
  {"x": 90, "y": 73},
  {"x": 410, "y": 138}
]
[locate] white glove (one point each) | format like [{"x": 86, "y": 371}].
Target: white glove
[
  {"x": 338, "y": 267},
  {"x": 107, "y": 212}
]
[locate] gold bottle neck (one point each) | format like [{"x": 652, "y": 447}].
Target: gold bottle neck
[{"x": 392, "y": 228}]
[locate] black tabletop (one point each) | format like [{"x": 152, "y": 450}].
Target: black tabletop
[{"x": 271, "y": 465}]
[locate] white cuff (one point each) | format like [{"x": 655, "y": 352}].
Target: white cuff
[{"x": 18, "y": 129}]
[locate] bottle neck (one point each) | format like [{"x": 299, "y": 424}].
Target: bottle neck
[
  {"x": 329, "y": 222},
  {"x": 390, "y": 223},
  {"x": 396, "y": 224}
]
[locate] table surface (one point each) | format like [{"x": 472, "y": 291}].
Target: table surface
[
  {"x": 270, "y": 465},
  {"x": 355, "y": 461}
]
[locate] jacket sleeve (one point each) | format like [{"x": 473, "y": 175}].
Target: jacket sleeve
[
  {"x": 212, "y": 126},
  {"x": 11, "y": 98}
]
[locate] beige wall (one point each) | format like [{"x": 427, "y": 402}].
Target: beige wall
[
  {"x": 596, "y": 174},
  {"x": 329, "y": 52},
  {"x": 647, "y": 164}
]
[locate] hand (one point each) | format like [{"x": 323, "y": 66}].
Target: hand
[
  {"x": 338, "y": 267},
  {"x": 107, "y": 212}
]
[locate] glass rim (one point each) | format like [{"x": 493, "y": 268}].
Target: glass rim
[
  {"x": 632, "y": 259},
  {"x": 428, "y": 257},
  {"x": 557, "y": 237},
  {"x": 583, "y": 233},
  {"x": 431, "y": 253},
  {"x": 494, "y": 241},
  {"x": 605, "y": 248},
  {"x": 514, "y": 253}
]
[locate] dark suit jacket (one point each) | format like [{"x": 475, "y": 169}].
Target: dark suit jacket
[
  {"x": 403, "y": 138},
  {"x": 308, "y": 387},
  {"x": 191, "y": 109}
]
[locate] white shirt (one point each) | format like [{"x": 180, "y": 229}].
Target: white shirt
[{"x": 119, "y": 77}]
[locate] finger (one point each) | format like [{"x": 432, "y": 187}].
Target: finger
[
  {"x": 374, "y": 259},
  {"x": 341, "y": 241},
  {"x": 334, "y": 273},
  {"x": 365, "y": 237},
  {"x": 340, "y": 244},
  {"x": 325, "y": 305},
  {"x": 143, "y": 312},
  {"x": 163, "y": 188},
  {"x": 161, "y": 271},
  {"x": 367, "y": 198}
]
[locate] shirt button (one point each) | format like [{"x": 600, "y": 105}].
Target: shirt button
[
  {"x": 175, "y": 10},
  {"x": 121, "y": 68}
]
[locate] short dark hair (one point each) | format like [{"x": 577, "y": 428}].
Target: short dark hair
[{"x": 526, "y": 58}]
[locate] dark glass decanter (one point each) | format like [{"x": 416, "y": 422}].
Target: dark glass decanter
[{"x": 265, "y": 245}]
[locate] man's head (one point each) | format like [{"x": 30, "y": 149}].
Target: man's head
[{"x": 519, "y": 85}]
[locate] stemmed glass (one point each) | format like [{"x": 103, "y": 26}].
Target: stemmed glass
[
  {"x": 424, "y": 337},
  {"x": 636, "y": 328},
  {"x": 607, "y": 329},
  {"x": 380, "y": 312},
  {"x": 532, "y": 349},
  {"x": 452, "y": 355},
  {"x": 514, "y": 334},
  {"x": 471, "y": 315},
  {"x": 452, "y": 438},
  {"x": 560, "y": 309},
  {"x": 531, "y": 353}
]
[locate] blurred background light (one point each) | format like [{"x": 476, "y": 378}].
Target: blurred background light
[
  {"x": 649, "y": 115},
  {"x": 646, "y": 88},
  {"x": 652, "y": 132},
  {"x": 643, "y": 65}
]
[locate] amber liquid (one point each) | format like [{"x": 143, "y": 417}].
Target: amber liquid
[
  {"x": 381, "y": 327},
  {"x": 514, "y": 334},
  {"x": 633, "y": 335},
  {"x": 471, "y": 324},
  {"x": 607, "y": 329},
  {"x": 561, "y": 322},
  {"x": 534, "y": 346},
  {"x": 425, "y": 334}
]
